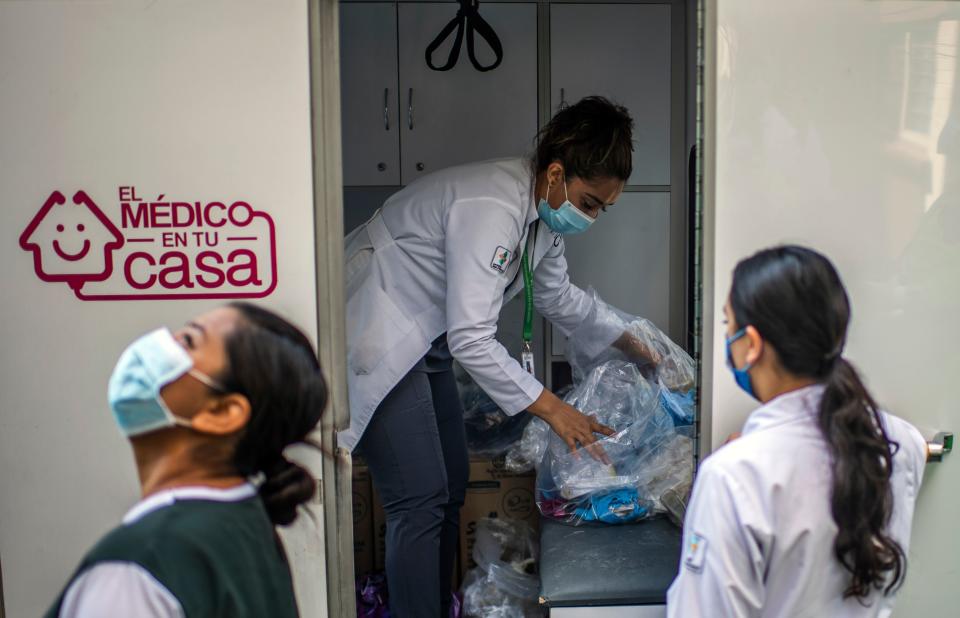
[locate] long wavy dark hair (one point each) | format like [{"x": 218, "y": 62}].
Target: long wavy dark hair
[{"x": 793, "y": 296}]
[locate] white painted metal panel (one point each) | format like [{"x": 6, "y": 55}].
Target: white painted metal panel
[
  {"x": 834, "y": 123},
  {"x": 197, "y": 101}
]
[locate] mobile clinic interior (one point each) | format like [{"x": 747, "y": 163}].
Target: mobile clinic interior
[{"x": 831, "y": 123}]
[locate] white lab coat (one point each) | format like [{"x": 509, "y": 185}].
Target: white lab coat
[
  {"x": 429, "y": 262},
  {"x": 758, "y": 534}
]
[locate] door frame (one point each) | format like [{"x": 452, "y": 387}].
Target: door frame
[{"x": 335, "y": 491}]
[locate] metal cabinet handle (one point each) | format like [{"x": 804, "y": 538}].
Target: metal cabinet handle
[
  {"x": 941, "y": 444},
  {"x": 386, "y": 109},
  {"x": 410, "y": 109},
  {"x": 563, "y": 99}
]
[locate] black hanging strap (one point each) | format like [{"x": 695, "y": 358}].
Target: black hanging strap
[{"x": 469, "y": 16}]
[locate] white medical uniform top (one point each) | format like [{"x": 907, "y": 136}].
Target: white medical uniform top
[
  {"x": 758, "y": 533},
  {"x": 127, "y": 589},
  {"x": 442, "y": 256}
]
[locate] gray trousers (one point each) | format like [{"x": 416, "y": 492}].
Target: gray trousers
[{"x": 416, "y": 450}]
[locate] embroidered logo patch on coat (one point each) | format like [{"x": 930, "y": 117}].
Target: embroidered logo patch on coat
[
  {"x": 501, "y": 258},
  {"x": 696, "y": 552}
]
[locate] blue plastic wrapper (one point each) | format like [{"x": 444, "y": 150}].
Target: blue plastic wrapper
[{"x": 680, "y": 406}]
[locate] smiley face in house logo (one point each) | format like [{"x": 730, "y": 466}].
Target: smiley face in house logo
[
  {"x": 72, "y": 241},
  {"x": 157, "y": 249}
]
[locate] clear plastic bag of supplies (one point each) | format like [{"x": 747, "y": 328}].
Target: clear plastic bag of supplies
[
  {"x": 527, "y": 454},
  {"x": 505, "y": 583},
  {"x": 648, "y": 456},
  {"x": 675, "y": 371},
  {"x": 490, "y": 432}
]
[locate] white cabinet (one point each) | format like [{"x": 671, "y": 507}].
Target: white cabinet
[
  {"x": 622, "y": 52},
  {"x": 368, "y": 91},
  {"x": 625, "y": 256},
  {"x": 464, "y": 115},
  {"x": 402, "y": 119}
]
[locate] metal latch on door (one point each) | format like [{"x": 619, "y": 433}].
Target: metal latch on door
[{"x": 940, "y": 445}]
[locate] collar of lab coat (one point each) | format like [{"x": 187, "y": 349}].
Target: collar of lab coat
[
  {"x": 531, "y": 200},
  {"x": 793, "y": 406}
]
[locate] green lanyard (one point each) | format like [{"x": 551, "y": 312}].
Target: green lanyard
[
  {"x": 527, "y": 301},
  {"x": 526, "y": 356}
]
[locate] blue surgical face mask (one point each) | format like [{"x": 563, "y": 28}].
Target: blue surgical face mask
[
  {"x": 147, "y": 365},
  {"x": 742, "y": 375},
  {"x": 568, "y": 219}
]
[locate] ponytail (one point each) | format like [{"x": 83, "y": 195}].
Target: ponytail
[
  {"x": 274, "y": 365},
  {"x": 861, "y": 498},
  {"x": 285, "y": 487},
  {"x": 793, "y": 296}
]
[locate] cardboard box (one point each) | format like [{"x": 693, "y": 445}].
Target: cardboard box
[
  {"x": 494, "y": 491},
  {"x": 363, "y": 540}
]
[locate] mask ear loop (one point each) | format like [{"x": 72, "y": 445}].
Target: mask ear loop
[{"x": 208, "y": 381}]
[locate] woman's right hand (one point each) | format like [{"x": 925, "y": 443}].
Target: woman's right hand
[{"x": 573, "y": 426}]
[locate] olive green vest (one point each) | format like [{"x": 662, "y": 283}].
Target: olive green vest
[{"x": 219, "y": 559}]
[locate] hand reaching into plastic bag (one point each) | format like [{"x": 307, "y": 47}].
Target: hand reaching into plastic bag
[
  {"x": 633, "y": 338},
  {"x": 573, "y": 427},
  {"x": 637, "y": 351}
]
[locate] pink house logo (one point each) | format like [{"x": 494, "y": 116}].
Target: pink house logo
[
  {"x": 153, "y": 249},
  {"x": 72, "y": 242}
]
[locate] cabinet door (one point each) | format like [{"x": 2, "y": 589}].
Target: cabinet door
[
  {"x": 622, "y": 52},
  {"x": 636, "y": 280},
  {"x": 464, "y": 115},
  {"x": 369, "y": 99}
]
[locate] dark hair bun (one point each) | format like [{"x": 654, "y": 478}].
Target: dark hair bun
[
  {"x": 286, "y": 487},
  {"x": 593, "y": 138}
]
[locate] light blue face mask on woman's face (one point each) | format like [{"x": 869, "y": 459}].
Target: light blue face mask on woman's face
[
  {"x": 568, "y": 219},
  {"x": 147, "y": 365}
]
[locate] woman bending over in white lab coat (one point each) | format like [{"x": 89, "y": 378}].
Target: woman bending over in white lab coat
[
  {"x": 808, "y": 513},
  {"x": 426, "y": 279}
]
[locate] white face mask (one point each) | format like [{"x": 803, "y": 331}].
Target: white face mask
[{"x": 146, "y": 366}]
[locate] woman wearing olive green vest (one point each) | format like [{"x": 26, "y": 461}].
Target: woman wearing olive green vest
[{"x": 209, "y": 411}]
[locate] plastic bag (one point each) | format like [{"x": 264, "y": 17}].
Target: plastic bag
[
  {"x": 372, "y": 599},
  {"x": 505, "y": 583},
  {"x": 676, "y": 370},
  {"x": 527, "y": 454},
  {"x": 490, "y": 432},
  {"x": 647, "y": 454}
]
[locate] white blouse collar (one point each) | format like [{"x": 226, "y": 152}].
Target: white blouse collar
[{"x": 167, "y": 497}]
